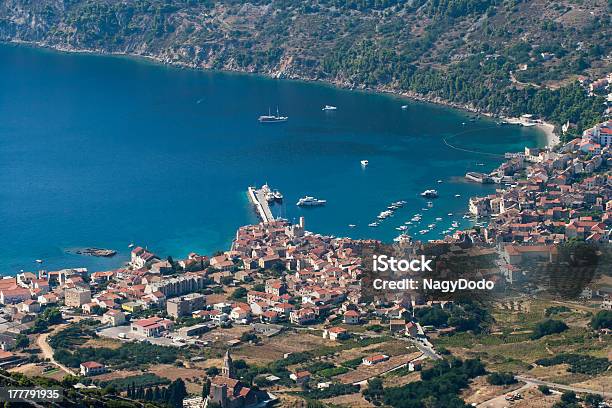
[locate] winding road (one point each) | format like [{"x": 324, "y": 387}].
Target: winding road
[{"x": 47, "y": 351}]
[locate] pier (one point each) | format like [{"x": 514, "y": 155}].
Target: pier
[{"x": 258, "y": 198}]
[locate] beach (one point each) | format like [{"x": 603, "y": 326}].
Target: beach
[{"x": 552, "y": 139}]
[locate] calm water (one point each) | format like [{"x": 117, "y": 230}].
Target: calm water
[{"x": 105, "y": 151}]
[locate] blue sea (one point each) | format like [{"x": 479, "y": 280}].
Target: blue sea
[{"x": 102, "y": 151}]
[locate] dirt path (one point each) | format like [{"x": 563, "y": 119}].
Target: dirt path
[{"x": 47, "y": 351}]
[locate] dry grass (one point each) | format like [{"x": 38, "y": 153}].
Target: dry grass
[
  {"x": 274, "y": 348},
  {"x": 480, "y": 390},
  {"x": 350, "y": 400}
]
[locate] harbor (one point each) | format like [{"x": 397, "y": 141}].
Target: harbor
[{"x": 257, "y": 197}]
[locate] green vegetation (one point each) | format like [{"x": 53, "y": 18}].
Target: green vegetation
[
  {"x": 602, "y": 320},
  {"x": 72, "y": 336},
  {"x": 578, "y": 363},
  {"x": 556, "y": 310},
  {"x": 547, "y": 327},
  {"x": 22, "y": 341},
  {"x": 128, "y": 355},
  {"x": 142, "y": 380},
  {"x": 493, "y": 55},
  {"x": 239, "y": 294},
  {"x": 66, "y": 344},
  {"x": 333, "y": 390},
  {"x": 172, "y": 395},
  {"x": 544, "y": 389},
  {"x": 50, "y": 317},
  {"x": 439, "y": 386},
  {"x": 375, "y": 391},
  {"x": 501, "y": 379},
  {"x": 353, "y": 363},
  {"x": 465, "y": 315}
]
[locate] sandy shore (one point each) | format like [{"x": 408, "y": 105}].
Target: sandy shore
[{"x": 552, "y": 139}]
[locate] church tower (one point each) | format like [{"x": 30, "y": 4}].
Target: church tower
[{"x": 228, "y": 366}]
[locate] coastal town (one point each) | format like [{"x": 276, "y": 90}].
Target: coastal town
[{"x": 284, "y": 317}]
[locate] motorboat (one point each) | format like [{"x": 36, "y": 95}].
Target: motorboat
[
  {"x": 309, "y": 201},
  {"x": 430, "y": 194}
]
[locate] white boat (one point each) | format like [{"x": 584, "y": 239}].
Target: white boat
[
  {"x": 438, "y": 219},
  {"x": 450, "y": 214},
  {"x": 429, "y": 204},
  {"x": 430, "y": 194},
  {"x": 455, "y": 224},
  {"x": 352, "y": 225},
  {"x": 373, "y": 224},
  {"x": 309, "y": 201},
  {"x": 329, "y": 108},
  {"x": 402, "y": 238},
  {"x": 364, "y": 163},
  {"x": 269, "y": 118},
  {"x": 457, "y": 195},
  {"x": 404, "y": 107},
  {"x": 39, "y": 261},
  {"x": 131, "y": 245},
  {"x": 439, "y": 181}
]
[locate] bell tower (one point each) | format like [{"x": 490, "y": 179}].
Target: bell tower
[{"x": 228, "y": 366}]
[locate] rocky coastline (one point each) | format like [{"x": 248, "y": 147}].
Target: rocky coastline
[{"x": 547, "y": 128}]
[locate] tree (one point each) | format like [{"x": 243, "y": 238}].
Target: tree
[
  {"x": 544, "y": 389},
  {"x": 206, "y": 388},
  {"x": 176, "y": 393},
  {"x": 501, "y": 379},
  {"x": 547, "y": 327},
  {"x": 375, "y": 389},
  {"x": 602, "y": 320},
  {"x": 593, "y": 400},
  {"x": 568, "y": 397},
  {"x": 212, "y": 371},
  {"x": 239, "y": 293},
  {"x": 22, "y": 341},
  {"x": 260, "y": 287}
]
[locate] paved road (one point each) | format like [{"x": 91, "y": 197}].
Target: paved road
[
  {"x": 563, "y": 386},
  {"x": 424, "y": 347}
]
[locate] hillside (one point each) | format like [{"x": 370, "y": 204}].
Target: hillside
[{"x": 500, "y": 56}]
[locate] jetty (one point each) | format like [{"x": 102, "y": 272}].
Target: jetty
[{"x": 257, "y": 197}]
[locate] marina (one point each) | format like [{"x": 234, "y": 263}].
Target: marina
[
  {"x": 257, "y": 196},
  {"x": 204, "y": 155}
]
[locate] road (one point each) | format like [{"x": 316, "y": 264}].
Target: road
[
  {"x": 424, "y": 347},
  {"x": 500, "y": 400},
  {"x": 47, "y": 351},
  {"x": 563, "y": 386}
]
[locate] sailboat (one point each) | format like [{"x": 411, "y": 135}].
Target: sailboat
[{"x": 269, "y": 118}]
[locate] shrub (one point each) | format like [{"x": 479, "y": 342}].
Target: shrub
[
  {"x": 602, "y": 320},
  {"x": 501, "y": 379},
  {"x": 547, "y": 327}
]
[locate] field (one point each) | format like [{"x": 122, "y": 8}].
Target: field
[
  {"x": 273, "y": 348},
  {"x": 349, "y": 400},
  {"x": 362, "y": 373},
  {"x": 510, "y": 348}
]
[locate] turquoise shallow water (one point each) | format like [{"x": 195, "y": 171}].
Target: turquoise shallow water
[{"x": 104, "y": 151}]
